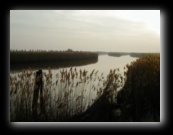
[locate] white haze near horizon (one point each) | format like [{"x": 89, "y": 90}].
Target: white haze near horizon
[{"x": 85, "y": 30}]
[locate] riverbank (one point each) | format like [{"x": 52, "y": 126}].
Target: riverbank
[
  {"x": 53, "y": 65},
  {"x": 132, "y": 54},
  {"x": 18, "y": 57},
  {"x": 70, "y": 96},
  {"x": 137, "y": 101}
]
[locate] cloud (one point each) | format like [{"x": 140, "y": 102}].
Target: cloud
[{"x": 80, "y": 29}]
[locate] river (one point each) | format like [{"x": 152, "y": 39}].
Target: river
[
  {"x": 104, "y": 64},
  {"x": 77, "y": 94}
]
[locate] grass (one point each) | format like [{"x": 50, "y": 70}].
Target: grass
[
  {"x": 69, "y": 93},
  {"x": 137, "y": 101},
  {"x": 140, "y": 97},
  {"x": 90, "y": 96}
]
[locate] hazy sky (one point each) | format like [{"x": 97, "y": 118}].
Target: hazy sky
[{"x": 86, "y": 30}]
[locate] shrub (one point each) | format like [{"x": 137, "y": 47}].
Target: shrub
[{"x": 139, "y": 99}]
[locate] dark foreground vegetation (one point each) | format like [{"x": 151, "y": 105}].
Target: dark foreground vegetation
[
  {"x": 140, "y": 97},
  {"x": 137, "y": 101},
  {"x": 18, "y": 57}
]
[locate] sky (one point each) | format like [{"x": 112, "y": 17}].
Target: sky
[{"x": 85, "y": 30}]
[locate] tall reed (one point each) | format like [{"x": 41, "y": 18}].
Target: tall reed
[
  {"x": 140, "y": 97},
  {"x": 68, "y": 92}
]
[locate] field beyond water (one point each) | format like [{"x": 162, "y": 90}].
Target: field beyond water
[{"x": 80, "y": 95}]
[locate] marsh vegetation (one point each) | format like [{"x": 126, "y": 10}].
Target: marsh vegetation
[
  {"x": 49, "y": 56},
  {"x": 78, "y": 94},
  {"x": 71, "y": 93},
  {"x": 140, "y": 97}
]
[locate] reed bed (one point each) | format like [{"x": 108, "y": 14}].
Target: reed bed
[
  {"x": 139, "y": 99},
  {"x": 49, "y": 56},
  {"x": 72, "y": 91},
  {"x": 65, "y": 93}
]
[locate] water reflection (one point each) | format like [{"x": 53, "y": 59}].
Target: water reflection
[
  {"x": 75, "y": 95},
  {"x": 103, "y": 64}
]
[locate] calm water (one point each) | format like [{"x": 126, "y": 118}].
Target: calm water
[{"x": 103, "y": 65}]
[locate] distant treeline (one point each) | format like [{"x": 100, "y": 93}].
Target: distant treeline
[
  {"x": 49, "y": 56},
  {"x": 132, "y": 54},
  {"x": 102, "y": 53},
  {"x": 118, "y": 54}
]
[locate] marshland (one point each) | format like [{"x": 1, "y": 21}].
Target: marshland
[{"x": 84, "y": 86}]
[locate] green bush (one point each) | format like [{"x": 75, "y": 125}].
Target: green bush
[{"x": 139, "y": 99}]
